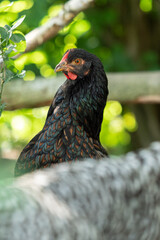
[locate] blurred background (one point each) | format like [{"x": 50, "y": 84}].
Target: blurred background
[{"x": 124, "y": 34}]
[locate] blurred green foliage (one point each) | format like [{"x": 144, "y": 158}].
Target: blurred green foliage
[
  {"x": 102, "y": 30},
  {"x": 12, "y": 42}
]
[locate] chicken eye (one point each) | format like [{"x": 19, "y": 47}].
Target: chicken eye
[{"x": 77, "y": 61}]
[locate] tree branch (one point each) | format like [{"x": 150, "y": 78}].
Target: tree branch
[
  {"x": 107, "y": 199},
  {"x": 47, "y": 31},
  {"x": 138, "y": 87}
]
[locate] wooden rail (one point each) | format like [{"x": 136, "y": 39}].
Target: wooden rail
[{"x": 136, "y": 87}]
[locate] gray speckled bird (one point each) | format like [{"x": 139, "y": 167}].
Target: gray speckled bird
[{"x": 117, "y": 199}]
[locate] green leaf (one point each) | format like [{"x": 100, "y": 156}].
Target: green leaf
[
  {"x": 9, "y": 75},
  {"x": 2, "y": 106},
  {"x": 21, "y": 46},
  {"x": 22, "y": 74},
  {"x": 9, "y": 32},
  {"x": 11, "y": 68},
  {"x": 17, "y": 37},
  {"x": 4, "y": 8},
  {"x": 3, "y": 33},
  {"x": 13, "y": 53},
  {"x": 10, "y": 49},
  {"x": 10, "y": 64},
  {"x": 18, "y": 22},
  {"x": 7, "y": 27},
  {"x": 5, "y": 57}
]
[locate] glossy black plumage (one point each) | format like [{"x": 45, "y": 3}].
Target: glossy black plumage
[{"x": 73, "y": 123}]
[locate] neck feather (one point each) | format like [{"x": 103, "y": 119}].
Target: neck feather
[{"x": 88, "y": 100}]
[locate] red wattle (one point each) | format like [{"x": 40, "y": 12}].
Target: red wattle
[
  {"x": 66, "y": 75},
  {"x": 71, "y": 76}
]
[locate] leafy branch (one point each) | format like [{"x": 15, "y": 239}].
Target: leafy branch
[{"x": 12, "y": 42}]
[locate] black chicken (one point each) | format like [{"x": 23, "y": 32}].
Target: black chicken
[{"x": 73, "y": 123}]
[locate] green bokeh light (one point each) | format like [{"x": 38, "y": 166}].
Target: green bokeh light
[
  {"x": 80, "y": 27},
  {"x": 116, "y": 127},
  {"x": 29, "y": 75},
  {"x": 146, "y": 5}
]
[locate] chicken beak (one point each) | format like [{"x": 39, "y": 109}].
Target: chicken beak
[{"x": 62, "y": 66}]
